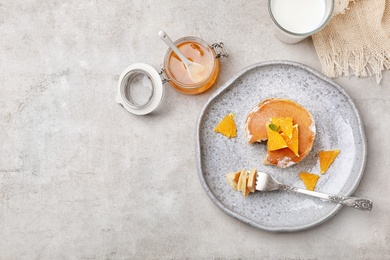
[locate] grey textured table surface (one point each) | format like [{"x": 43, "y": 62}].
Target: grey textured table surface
[{"x": 81, "y": 178}]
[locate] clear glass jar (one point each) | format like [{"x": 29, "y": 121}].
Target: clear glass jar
[{"x": 197, "y": 51}]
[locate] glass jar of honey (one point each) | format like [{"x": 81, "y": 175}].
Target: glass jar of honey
[
  {"x": 140, "y": 86},
  {"x": 198, "y": 51}
]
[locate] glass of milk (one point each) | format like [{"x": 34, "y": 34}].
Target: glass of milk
[{"x": 297, "y": 19}]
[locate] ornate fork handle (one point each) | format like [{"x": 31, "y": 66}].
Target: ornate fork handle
[{"x": 357, "y": 203}]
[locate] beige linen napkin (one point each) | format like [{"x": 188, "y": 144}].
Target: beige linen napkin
[{"x": 356, "y": 41}]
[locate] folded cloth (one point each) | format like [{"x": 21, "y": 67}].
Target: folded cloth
[{"x": 356, "y": 41}]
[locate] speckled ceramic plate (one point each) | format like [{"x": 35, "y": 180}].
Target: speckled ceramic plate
[{"x": 338, "y": 126}]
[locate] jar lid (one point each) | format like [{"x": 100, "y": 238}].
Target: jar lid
[{"x": 140, "y": 89}]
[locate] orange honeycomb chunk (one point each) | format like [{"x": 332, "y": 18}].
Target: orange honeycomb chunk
[
  {"x": 227, "y": 126},
  {"x": 285, "y": 123},
  {"x": 275, "y": 140},
  {"x": 293, "y": 142},
  {"x": 327, "y": 158},
  {"x": 309, "y": 179}
]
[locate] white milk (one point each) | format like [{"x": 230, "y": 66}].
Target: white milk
[{"x": 299, "y": 16}]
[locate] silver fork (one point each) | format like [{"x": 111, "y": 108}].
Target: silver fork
[{"x": 265, "y": 182}]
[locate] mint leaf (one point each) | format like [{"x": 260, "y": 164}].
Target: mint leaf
[{"x": 274, "y": 127}]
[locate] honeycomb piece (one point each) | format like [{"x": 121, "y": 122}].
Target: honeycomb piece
[
  {"x": 327, "y": 158},
  {"x": 227, "y": 126},
  {"x": 293, "y": 142},
  {"x": 275, "y": 140},
  {"x": 309, "y": 179},
  {"x": 285, "y": 124}
]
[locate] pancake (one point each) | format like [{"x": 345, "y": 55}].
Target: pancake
[{"x": 256, "y": 131}]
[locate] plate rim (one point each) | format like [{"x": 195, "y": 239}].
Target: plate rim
[{"x": 226, "y": 86}]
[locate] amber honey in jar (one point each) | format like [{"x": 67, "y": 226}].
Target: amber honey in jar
[{"x": 198, "y": 51}]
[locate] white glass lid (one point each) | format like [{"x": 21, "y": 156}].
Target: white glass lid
[{"x": 140, "y": 89}]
